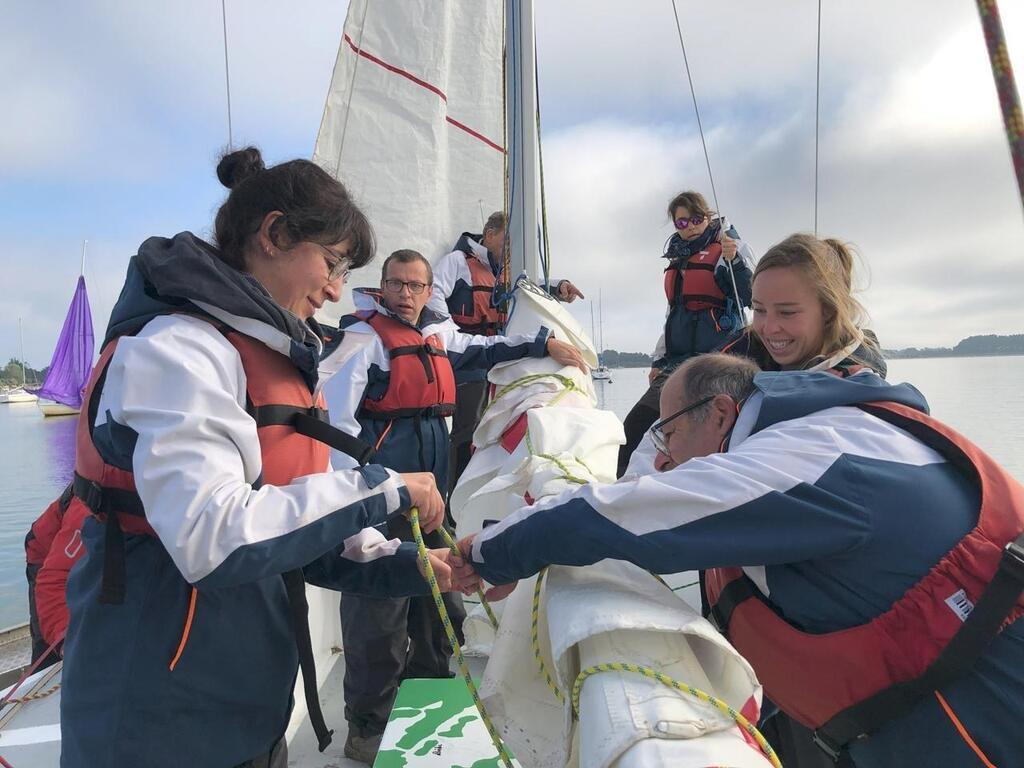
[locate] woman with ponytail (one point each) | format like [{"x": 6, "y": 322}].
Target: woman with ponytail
[
  {"x": 202, "y": 464},
  {"x": 805, "y": 314}
]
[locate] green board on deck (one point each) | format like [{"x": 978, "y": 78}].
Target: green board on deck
[{"x": 434, "y": 724}]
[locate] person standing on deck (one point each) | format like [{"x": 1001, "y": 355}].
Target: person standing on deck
[
  {"x": 464, "y": 288},
  {"x": 849, "y": 537},
  {"x": 395, "y": 394},
  {"x": 209, "y": 502},
  {"x": 705, "y": 257}
]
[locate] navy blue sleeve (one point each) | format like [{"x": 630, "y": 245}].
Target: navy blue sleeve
[{"x": 396, "y": 575}]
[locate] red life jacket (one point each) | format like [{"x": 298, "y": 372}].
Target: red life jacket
[
  {"x": 295, "y": 437},
  {"x": 484, "y": 319},
  {"x": 692, "y": 282},
  {"x": 847, "y": 684},
  {"x": 422, "y": 382}
]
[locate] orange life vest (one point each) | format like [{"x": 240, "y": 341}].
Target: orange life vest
[
  {"x": 484, "y": 319},
  {"x": 421, "y": 380},
  {"x": 847, "y": 684},
  {"x": 295, "y": 437},
  {"x": 692, "y": 282}
]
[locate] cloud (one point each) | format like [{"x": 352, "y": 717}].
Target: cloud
[{"x": 119, "y": 112}]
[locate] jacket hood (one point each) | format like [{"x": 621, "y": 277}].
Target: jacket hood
[
  {"x": 184, "y": 274},
  {"x": 470, "y": 245},
  {"x": 370, "y": 300},
  {"x": 784, "y": 395}
]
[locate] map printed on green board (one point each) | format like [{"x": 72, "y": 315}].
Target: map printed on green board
[{"x": 435, "y": 725}]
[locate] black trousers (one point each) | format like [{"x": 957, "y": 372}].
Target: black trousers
[
  {"x": 639, "y": 420},
  {"x": 388, "y": 640}
]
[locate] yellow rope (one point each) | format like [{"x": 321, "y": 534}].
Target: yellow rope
[
  {"x": 535, "y": 638},
  {"x": 454, "y": 547},
  {"x": 653, "y": 674},
  {"x": 435, "y": 591},
  {"x": 565, "y": 381}
]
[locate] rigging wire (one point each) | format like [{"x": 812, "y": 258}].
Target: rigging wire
[
  {"x": 545, "y": 256},
  {"x": 227, "y": 70},
  {"x": 696, "y": 109},
  {"x": 817, "y": 122},
  {"x": 351, "y": 85},
  {"x": 707, "y": 159}
]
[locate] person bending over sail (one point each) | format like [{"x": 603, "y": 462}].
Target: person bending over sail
[
  {"x": 707, "y": 282},
  {"x": 204, "y": 488},
  {"x": 805, "y": 314},
  {"x": 464, "y": 287},
  {"x": 850, "y": 535},
  {"x": 395, "y": 393}
]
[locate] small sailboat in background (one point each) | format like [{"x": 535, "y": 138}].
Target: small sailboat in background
[
  {"x": 19, "y": 394},
  {"x": 71, "y": 364},
  {"x": 602, "y": 372}
]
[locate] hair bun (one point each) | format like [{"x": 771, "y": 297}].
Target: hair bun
[{"x": 236, "y": 167}]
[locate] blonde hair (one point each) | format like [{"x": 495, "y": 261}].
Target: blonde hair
[{"x": 828, "y": 265}]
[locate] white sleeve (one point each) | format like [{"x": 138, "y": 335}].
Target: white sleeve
[
  {"x": 344, "y": 392},
  {"x": 446, "y": 272},
  {"x": 179, "y": 387}
]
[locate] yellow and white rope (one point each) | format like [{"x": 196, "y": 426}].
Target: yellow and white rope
[
  {"x": 653, "y": 674},
  {"x": 446, "y": 622}
]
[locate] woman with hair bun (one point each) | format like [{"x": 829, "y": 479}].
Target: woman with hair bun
[
  {"x": 805, "y": 314},
  {"x": 201, "y": 463}
]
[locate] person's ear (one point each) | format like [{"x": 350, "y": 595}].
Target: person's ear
[
  {"x": 265, "y": 235},
  {"x": 723, "y": 415}
]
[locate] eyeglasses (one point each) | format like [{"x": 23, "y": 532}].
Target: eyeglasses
[
  {"x": 692, "y": 221},
  {"x": 658, "y": 436},
  {"x": 337, "y": 266},
  {"x": 396, "y": 286}
]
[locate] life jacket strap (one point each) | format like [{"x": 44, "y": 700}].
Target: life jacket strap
[
  {"x": 111, "y": 503},
  {"x": 298, "y": 609},
  {"x": 314, "y": 423},
  {"x": 956, "y": 660}
]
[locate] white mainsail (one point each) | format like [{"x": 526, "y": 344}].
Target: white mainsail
[{"x": 413, "y": 123}]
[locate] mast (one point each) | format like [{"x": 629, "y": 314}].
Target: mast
[
  {"x": 524, "y": 238},
  {"x": 21, "y": 335},
  {"x": 85, "y": 244}
]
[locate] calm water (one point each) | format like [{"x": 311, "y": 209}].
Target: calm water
[{"x": 980, "y": 397}]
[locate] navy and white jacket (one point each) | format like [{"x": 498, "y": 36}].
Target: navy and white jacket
[
  {"x": 173, "y": 411},
  {"x": 832, "y": 512},
  {"x": 366, "y": 373}
]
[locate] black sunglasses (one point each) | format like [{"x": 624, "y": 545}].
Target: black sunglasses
[{"x": 658, "y": 430}]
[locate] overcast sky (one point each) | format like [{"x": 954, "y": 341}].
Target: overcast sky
[{"x": 114, "y": 115}]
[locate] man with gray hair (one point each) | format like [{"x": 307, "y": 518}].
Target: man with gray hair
[{"x": 866, "y": 559}]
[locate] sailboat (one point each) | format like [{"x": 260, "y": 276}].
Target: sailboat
[
  {"x": 19, "y": 394},
  {"x": 422, "y": 129},
  {"x": 71, "y": 364},
  {"x": 599, "y": 372}
]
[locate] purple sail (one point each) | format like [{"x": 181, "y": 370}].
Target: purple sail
[{"x": 72, "y": 359}]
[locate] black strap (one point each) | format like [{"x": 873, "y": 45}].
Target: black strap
[
  {"x": 337, "y": 439},
  {"x": 298, "y": 609},
  {"x": 311, "y": 422},
  {"x": 956, "y": 660},
  {"x": 699, "y": 265},
  {"x": 735, "y": 592},
  {"x": 442, "y": 410},
  {"x": 110, "y": 502}
]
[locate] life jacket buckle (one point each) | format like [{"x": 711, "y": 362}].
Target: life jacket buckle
[
  {"x": 827, "y": 745},
  {"x": 1012, "y": 561}
]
